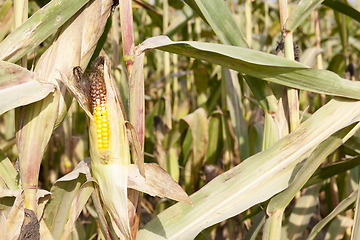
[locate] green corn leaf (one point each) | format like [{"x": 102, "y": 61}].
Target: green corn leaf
[
  {"x": 254, "y": 180},
  {"x": 261, "y": 65}
]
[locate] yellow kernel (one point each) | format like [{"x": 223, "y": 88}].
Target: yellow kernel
[
  {"x": 104, "y": 120},
  {"x": 102, "y": 125}
]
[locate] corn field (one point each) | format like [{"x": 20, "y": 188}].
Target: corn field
[{"x": 171, "y": 119}]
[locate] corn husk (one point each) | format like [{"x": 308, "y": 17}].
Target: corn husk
[{"x": 111, "y": 168}]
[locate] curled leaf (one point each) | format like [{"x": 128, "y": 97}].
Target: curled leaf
[
  {"x": 157, "y": 183},
  {"x": 133, "y": 138}
]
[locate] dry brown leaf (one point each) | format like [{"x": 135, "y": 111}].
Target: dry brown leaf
[{"x": 157, "y": 183}]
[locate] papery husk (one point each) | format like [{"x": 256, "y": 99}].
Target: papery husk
[
  {"x": 119, "y": 181},
  {"x": 112, "y": 181},
  {"x": 158, "y": 182},
  {"x": 16, "y": 216},
  {"x": 110, "y": 167},
  {"x": 4, "y": 230}
]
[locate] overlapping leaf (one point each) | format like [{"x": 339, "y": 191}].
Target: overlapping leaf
[{"x": 254, "y": 180}]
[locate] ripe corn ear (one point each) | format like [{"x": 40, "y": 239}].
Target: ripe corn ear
[
  {"x": 109, "y": 147},
  {"x": 99, "y": 111}
]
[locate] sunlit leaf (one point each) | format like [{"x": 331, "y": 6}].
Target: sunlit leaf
[
  {"x": 302, "y": 10},
  {"x": 19, "y": 87},
  {"x": 262, "y": 65},
  {"x": 219, "y": 17},
  {"x": 253, "y": 181}
]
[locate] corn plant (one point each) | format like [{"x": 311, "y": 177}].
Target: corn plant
[{"x": 208, "y": 107}]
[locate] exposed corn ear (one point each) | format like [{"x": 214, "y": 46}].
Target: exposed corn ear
[
  {"x": 110, "y": 166},
  {"x": 99, "y": 111},
  {"x": 109, "y": 147}
]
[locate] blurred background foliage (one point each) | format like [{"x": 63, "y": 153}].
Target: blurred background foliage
[{"x": 198, "y": 141}]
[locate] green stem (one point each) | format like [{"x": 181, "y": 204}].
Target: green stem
[
  {"x": 272, "y": 227},
  {"x": 319, "y": 60},
  {"x": 266, "y": 9},
  {"x": 21, "y": 15},
  {"x": 248, "y": 26},
  {"x": 292, "y": 94},
  {"x": 175, "y": 82},
  {"x": 168, "y": 113},
  {"x": 190, "y": 75}
]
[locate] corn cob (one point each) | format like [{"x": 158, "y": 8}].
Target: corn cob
[{"x": 99, "y": 111}]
